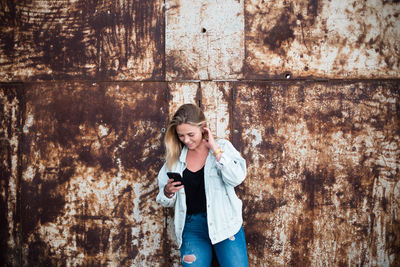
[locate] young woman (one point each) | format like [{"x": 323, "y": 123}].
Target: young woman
[{"x": 208, "y": 214}]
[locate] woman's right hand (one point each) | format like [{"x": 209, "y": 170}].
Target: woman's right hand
[{"x": 172, "y": 187}]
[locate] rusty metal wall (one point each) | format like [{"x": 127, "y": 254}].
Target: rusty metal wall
[
  {"x": 308, "y": 91},
  {"x": 85, "y": 165}
]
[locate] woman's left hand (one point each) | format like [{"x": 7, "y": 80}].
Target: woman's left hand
[{"x": 210, "y": 143}]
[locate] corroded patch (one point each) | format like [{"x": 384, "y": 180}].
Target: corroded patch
[
  {"x": 91, "y": 154},
  {"x": 47, "y": 40},
  {"x": 323, "y": 165},
  {"x": 183, "y": 93},
  {"x": 11, "y": 120},
  {"x": 204, "y": 39},
  {"x": 328, "y": 39},
  {"x": 216, "y": 100}
]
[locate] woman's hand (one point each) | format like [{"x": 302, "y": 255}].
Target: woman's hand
[
  {"x": 210, "y": 143},
  {"x": 171, "y": 188}
]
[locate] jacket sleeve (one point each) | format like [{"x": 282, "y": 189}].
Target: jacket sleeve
[
  {"x": 231, "y": 164},
  {"x": 162, "y": 181}
]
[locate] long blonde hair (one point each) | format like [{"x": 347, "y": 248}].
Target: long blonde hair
[{"x": 187, "y": 113}]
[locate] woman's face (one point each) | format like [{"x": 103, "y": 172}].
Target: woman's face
[{"x": 190, "y": 135}]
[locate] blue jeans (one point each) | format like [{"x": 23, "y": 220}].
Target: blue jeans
[{"x": 196, "y": 249}]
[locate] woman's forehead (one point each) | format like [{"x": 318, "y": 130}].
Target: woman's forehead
[{"x": 186, "y": 128}]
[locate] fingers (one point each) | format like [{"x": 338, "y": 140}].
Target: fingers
[
  {"x": 211, "y": 141},
  {"x": 176, "y": 184},
  {"x": 173, "y": 187},
  {"x": 208, "y": 130},
  {"x": 177, "y": 188}
]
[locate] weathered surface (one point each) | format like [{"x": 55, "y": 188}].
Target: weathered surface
[
  {"x": 112, "y": 40},
  {"x": 183, "y": 92},
  {"x": 214, "y": 97},
  {"x": 79, "y": 158},
  {"x": 324, "y": 172},
  {"x": 329, "y": 39},
  {"x": 204, "y": 39},
  {"x": 11, "y": 110},
  {"x": 89, "y": 158},
  {"x": 217, "y": 102}
]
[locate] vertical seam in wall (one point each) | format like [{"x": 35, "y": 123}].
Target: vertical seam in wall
[
  {"x": 199, "y": 95},
  {"x": 164, "y": 60},
  {"x": 232, "y": 111},
  {"x": 21, "y": 93}
]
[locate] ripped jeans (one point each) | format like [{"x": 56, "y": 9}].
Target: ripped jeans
[{"x": 196, "y": 249}]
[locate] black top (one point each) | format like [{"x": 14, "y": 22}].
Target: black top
[{"x": 195, "y": 191}]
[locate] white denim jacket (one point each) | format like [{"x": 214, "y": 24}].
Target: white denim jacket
[{"x": 224, "y": 208}]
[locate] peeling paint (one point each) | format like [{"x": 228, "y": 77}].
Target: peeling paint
[
  {"x": 47, "y": 40},
  {"x": 86, "y": 194},
  {"x": 321, "y": 196},
  {"x": 204, "y": 40},
  {"x": 11, "y": 106},
  {"x": 328, "y": 39}
]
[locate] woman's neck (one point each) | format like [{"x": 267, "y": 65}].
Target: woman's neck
[
  {"x": 201, "y": 149},
  {"x": 195, "y": 159}
]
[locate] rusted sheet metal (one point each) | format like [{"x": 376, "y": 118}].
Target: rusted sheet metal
[
  {"x": 330, "y": 39},
  {"x": 113, "y": 40},
  {"x": 79, "y": 159},
  {"x": 204, "y": 39},
  {"x": 90, "y": 156},
  {"x": 10, "y": 145},
  {"x": 323, "y": 172},
  {"x": 181, "y": 93},
  {"x": 217, "y": 100}
]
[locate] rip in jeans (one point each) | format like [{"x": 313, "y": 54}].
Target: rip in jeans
[{"x": 189, "y": 258}]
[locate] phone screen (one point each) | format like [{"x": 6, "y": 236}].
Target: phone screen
[{"x": 176, "y": 176}]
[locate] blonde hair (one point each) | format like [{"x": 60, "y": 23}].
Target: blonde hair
[{"x": 187, "y": 113}]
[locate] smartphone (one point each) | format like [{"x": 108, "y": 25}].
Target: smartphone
[{"x": 176, "y": 176}]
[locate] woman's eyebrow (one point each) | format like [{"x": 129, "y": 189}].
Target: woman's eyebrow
[{"x": 185, "y": 133}]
